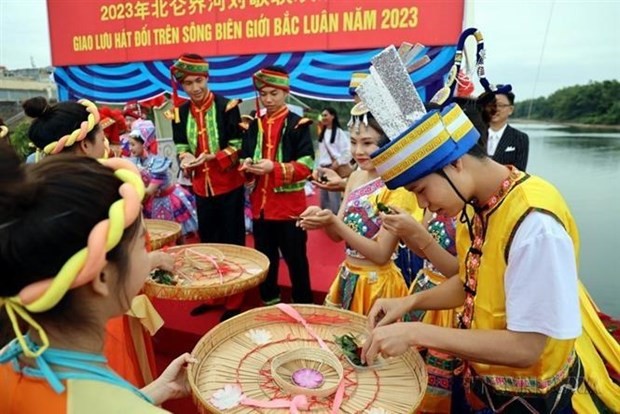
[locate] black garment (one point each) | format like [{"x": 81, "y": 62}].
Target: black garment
[
  {"x": 221, "y": 218},
  {"x": 513, "y": 148},
  {"x": 296, "y": 141},
  {"x": 271, "y": 235},
  {"x": 227, "y": 122}
]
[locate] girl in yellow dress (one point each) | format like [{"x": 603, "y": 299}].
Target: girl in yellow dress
[{"x": 368, "y": 272}]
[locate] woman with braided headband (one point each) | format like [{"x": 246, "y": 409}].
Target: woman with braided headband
[
  {"x": 66, "y": 295},
  {"x": 74, "y": 128},
  {"x": 65, "y": 127}
]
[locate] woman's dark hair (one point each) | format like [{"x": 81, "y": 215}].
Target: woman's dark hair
[
  {"x": 335, "y": 125},
  {"x": 475, "y": 113},
  {"x": 47, "y": 211},
  {"x": 138, "y": 138},
  {"x": 54, "y": 121},
  {"x": 372, "y": 123},
  {"x": 487, "y": 106}
]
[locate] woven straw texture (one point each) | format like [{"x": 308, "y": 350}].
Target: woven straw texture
[
  {"x": 210, "y": 271},
  {"x": 241, "y": 351},
  {"x": 162, "y": 232},
  {"x": 325, "y": 362}
]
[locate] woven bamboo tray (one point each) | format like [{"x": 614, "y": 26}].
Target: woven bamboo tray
[
  {"x": 162, "y": 232},
  {"x": 240, "y": 352},
  {"x": 238, "y": 269}
]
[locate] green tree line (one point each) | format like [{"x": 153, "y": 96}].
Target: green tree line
[{"x": 595, "y": 103}]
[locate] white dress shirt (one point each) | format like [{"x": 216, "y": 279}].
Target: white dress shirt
[
  {"x": 494, "y": 137},
  {"x": 340, "y": 149}
]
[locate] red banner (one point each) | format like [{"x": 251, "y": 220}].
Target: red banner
[{"x": 115, "y": 31}]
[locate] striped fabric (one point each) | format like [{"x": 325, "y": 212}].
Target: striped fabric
[
  {"x": 356, "y": 79},
  {"x": 430, "y": 144}
]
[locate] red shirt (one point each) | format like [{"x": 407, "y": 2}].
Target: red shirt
[
  {"x": 217, "y": 176},
  {"x": 281, "y": 205}
]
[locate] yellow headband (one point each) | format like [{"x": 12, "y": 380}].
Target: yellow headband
[
  {"x": 4, "y": 131},
  {"x": 86, "y": 264},
  {"x": 79, "y": 134}
]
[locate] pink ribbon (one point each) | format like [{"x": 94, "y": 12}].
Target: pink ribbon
[
  {"x": 298, "y": 402},
  {"x": 211, "y": 260},
  {"x": 290, "y": 311}
]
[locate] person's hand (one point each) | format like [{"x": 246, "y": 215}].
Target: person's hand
[
  {"x": 260, "y": 167},
  {"x": 386, "y": 311},
  {"x": 161, "y": 260},
  {"x": 328, "y": 179},
  {"x": 188, "y": 161},
  {"x": 172, "y": 383},
  {"x": 400, "y": 223},
  {"x": 310, "y": 211},
  {"x": 315, "y": 218},
  {"x": 388, "y": 341}
]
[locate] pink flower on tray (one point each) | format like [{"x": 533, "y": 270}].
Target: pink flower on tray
[{"x": 308, "y": 378}]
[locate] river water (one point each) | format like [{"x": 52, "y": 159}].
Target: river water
[{"x": 585, "y": 167}]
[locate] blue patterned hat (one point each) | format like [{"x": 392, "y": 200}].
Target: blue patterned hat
[{"x": 431, "y": 143}]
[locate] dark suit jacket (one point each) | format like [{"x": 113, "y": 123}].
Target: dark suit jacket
[{"x": 513, "y": 148}]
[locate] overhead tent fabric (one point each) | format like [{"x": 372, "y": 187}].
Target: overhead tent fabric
[{"x": 319, "y": 75}]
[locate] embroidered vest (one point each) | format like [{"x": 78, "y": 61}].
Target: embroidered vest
[{"x": 502, "y": 220}]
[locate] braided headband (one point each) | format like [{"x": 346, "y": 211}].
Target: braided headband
[
  {"x": 85, "y": 265},
  {"x": 79, "y": 134},
  {"x": 4, "y": 131},
  {"x": 265, "y": 77}
]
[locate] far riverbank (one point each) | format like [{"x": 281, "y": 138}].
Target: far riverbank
[{"x": 570, "y": 125}]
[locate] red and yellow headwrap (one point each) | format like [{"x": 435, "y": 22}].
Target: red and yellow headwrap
[
  {"x": 269, "y": 78},
  {"x": 185, "y": 66}
]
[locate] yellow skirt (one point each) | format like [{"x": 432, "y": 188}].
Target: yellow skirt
[
  {"x": 440, "y": 366},
  {"x": 595, "y": 347},
  {"x": 356, "y": 288}
]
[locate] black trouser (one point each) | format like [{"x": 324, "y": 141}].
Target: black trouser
[
  {"x": 271, "y": 235},
  {"x": 220, "y": 218}
]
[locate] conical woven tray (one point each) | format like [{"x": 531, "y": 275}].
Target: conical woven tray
[
  {"x": 240, "y": 351},
  {"x": 209, "y": 271},
  {"x": 162, "y": 232}
]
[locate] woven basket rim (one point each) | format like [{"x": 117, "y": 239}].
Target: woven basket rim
[
  {"x": 170, "y": 233},
  {"x": 201, "y": 292},
  {"x": 258, "y": 318},
  {"x": 313, "y": 354}
]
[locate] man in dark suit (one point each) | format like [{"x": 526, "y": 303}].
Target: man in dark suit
[{"x": 505, "y": 144}]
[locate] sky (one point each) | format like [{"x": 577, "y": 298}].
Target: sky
[{"x": 582, "y": 42}]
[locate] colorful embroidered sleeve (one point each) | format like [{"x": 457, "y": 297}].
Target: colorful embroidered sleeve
[
  {"x": 301, "y": 168},
  {"x": 227, "y": 157},
  {"x": 158, "y": 170},
  {"x": 292, "y": 172},
  {"x": 179, "y": 136}
]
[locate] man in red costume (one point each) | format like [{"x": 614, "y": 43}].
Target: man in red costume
[
  {"x": 207, "y": 135},
  {"x": 278, "y": 157}
]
